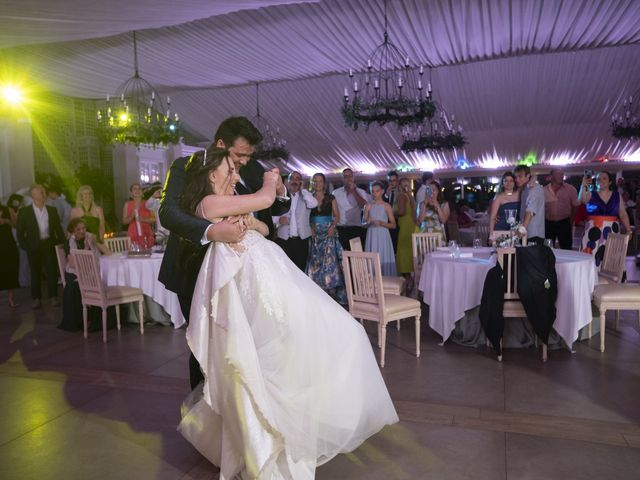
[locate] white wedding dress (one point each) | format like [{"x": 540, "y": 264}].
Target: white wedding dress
[{"x": 290, "y": 377}]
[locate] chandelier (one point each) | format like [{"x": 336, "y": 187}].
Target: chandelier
[
  {"x": 439, "y": 132},
  {"x": 272, "y": 147},
  {"x": 625, "y": 124},
  {"x": 388, "y": 91},
  {"x": 138, "y": 115}
]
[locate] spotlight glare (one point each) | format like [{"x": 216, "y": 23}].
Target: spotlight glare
[{"x": 12, "y": 94}]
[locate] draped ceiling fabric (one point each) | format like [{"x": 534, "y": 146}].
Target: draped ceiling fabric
[{"x": 521, "y": 76}]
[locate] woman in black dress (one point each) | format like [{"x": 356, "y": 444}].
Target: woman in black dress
[{"x": 9, "y": 267}]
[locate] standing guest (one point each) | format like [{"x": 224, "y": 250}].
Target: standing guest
[
  {"x": 293, "y": 229},
  {"x": 324, "y": 265},
  {"x": 9, "y": 267},
  {"x": 407, "y": 227},
  {"x": 605, "y": 213},
  {"x": 531, "y": 204},
  {"x": 421, "y": 194},
  {"x": 433, "y": 212},
  {"x": 560, "y": 203},
  {"x": 378, "y": 215},
  {"x": 139, "y": 218},
  {"x": 79, "y": 239},
  {"x": 506, "y": 202},
  {"x": 15, "y": 202},
  {"x": 38, "y": 230},
  {"x": 58, "y": 200},
  {"x": 91, "y": 213},
  {"x": 351, "y": 200},
  {"x": 391, "y": 197}
]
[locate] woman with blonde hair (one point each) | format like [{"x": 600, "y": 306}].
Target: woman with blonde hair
[{"x": 91, "y": 214}]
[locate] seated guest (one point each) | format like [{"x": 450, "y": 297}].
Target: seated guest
[
  {"x": 91, "y": 213},
  {"x": 465, "y": 218},
  {"x": 139, "y": 218},
  {"x": 79, "y": 239},
  {"x": 293, "y": 229}
]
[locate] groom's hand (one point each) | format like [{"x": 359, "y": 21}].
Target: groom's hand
[
  {"x": 280, "y": 190},
  {"x": 230, "y": 230}
]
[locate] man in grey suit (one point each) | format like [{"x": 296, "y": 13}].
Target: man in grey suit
[{"x": 293, "y": 229}]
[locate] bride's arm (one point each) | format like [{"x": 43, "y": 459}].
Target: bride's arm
[{"x": 219, "y": 206}]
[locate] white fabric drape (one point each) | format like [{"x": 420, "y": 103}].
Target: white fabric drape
[{"x": 520, "y": 76}]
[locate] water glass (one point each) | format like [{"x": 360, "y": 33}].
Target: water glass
[
  {"x": 452, "y": 246},
  {"x": 477, "y": 243},
  {"x": 548, "y": 242}
]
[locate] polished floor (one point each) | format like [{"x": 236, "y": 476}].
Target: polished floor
[{"x": 80, "y": 409}]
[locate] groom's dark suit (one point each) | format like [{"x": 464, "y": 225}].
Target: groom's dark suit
[{"x": 185, "y": 252}]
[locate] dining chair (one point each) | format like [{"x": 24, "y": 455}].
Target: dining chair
[
  {"x": 390, "y": 284},
  {"x": 453, "y": 231},
  {"x": 95, "y": 293},
  {"x": 421, "y": 245},
  {"x": 482, "y": 232},
  {"x": 61, "y": 256},
  {"x": 367, "y": 300},
  {"x": 613, "y": 262},
  {"x": 513, "y": 307},
  {"x": 615, "y": 296},
  {"x": 118, "y": 244}
]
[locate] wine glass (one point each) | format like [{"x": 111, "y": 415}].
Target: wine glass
[
  {"x": 452, "y": 246},
  {"x": 477, "y": 243},
  {"x": 511, "y": 216},
  {"x": 548, "y": 242}
]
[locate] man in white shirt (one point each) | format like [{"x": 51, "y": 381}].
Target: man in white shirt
[
  {"x": 38, "y": 230},
  {"x": 351, "y": 201},
  {"x": 293, "y": 229}
]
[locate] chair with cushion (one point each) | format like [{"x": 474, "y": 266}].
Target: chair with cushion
[
  {"x": 118, "y": 244},
  {"x": 367, "y": 300},
  {"x": 615, "y": 296},
  {"x": 62, "y": 263},
  {"x": 513, "y": 307},
  {"x": 95, "y": 293},
  {"x": 393, "y": 285}
]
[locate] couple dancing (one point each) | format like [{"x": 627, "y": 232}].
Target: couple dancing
[{"x": 290, "y": 379}]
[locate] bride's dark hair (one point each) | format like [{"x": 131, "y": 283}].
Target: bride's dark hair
[{"x": 198, "y": 168}]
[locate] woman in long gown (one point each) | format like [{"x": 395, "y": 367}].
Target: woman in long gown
[
  {"x": 407, "y": 223},
  {"x": 9, "y": 267},
  {"x": 379, "y": 217},
  {"x": 605, "y": 214},
  {"x": 290, "y": 377},
  {"x": 324, "y": 265}
]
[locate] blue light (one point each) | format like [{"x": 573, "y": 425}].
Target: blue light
[{"x": 172, "y": 127}]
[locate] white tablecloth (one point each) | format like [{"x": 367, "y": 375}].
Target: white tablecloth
[
  {"x": 451, "y": 287},
  {"x": 142, "y": 273}
]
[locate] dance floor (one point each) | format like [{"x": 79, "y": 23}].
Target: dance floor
[{"x": 76, "y": 409}]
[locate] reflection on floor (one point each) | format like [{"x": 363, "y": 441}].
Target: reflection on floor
[{"x": 81, "y": 409}]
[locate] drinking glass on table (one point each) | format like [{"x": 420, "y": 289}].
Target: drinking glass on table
[
  {"x": 548, "y": 242},
  {"x": 453, "y": 245},
  {"x": 477, "y": 243}
]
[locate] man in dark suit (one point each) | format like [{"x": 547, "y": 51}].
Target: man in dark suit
[
  {"x": 189, "y": 235},
  {"x": 38, "y": 230}
]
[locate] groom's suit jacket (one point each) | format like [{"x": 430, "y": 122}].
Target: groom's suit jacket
[{"x": 184, "y": 252}]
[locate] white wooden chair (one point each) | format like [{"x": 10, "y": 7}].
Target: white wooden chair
[
  {"x": 95, "y": 293},
  {"x": 513, "y": 307},
  {"x": 118, "y": 244},
  {"x": 613, "y": 262},
  {"x": 61, "y": 256},
  {"x": 421, "y": 244},
  {"x": 482, "y": 232},
  {"x": 391, "y": 284},
  {"x": 615, "y": 296},
  {"x": 367, "y": 300}
]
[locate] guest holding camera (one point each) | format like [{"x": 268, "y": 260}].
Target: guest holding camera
[
  {"x": 433, "y": 212},
  {"x": 605, "y": 213},
  {"x": 139, "y": 218}
]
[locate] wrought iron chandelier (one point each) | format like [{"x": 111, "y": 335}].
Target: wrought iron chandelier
[
  {"x": 388, "y": 91},
  {"x": 440, "y": 132},
  {"x": 138, "y": 115},
  {"x": 272, "y": 147},
  {"x": 625, "y": 124}
]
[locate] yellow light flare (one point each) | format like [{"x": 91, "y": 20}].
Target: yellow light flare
[{"x": 12, "y": 94}]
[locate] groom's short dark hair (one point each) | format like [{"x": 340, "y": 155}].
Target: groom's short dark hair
[{"x": 234, "y": 127}]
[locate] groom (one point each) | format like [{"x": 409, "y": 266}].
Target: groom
[{"x": 190, "y": 235}]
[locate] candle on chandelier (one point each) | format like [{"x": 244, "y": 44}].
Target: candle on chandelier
[
  {"x": 108, "y": 98},
  {"x": 168, "y": 100},
  {"x": 350, "y": 73},
  {"x": 406, "y": 63},
  {"x": 369, "y": 63},
  {"x": 421, "y": 69},
  {"x": 399, "y": 82},
  {"x": 346, "y": 92},
  {"x": 355, "y": 87},
  {"x": 153, "y": 94},
  {"x": 429, "y": 87},
  {"x": 122, "y": 97},
  {"x": 376, "y": 84},
  {"x": 419, "y": 84}
]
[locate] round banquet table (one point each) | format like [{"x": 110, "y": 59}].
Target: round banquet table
[
  {"x": 142, "y": 272},
  {"x": 451, "y": 287}
]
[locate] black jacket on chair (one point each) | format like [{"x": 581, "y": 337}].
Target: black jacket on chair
[
  {"x": 28, "y": 231},
  {"x": 538, "y": 287},
  {"x": 492, "y": 305}
]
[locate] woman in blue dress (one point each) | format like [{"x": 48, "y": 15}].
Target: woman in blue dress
[
  {"x": 506, "y": 204},
  {"x": 604, "y": 214},
  {"x": 379, "y": 217}
]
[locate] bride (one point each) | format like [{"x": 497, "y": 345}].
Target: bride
[{"x": 290, "y": 377}]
